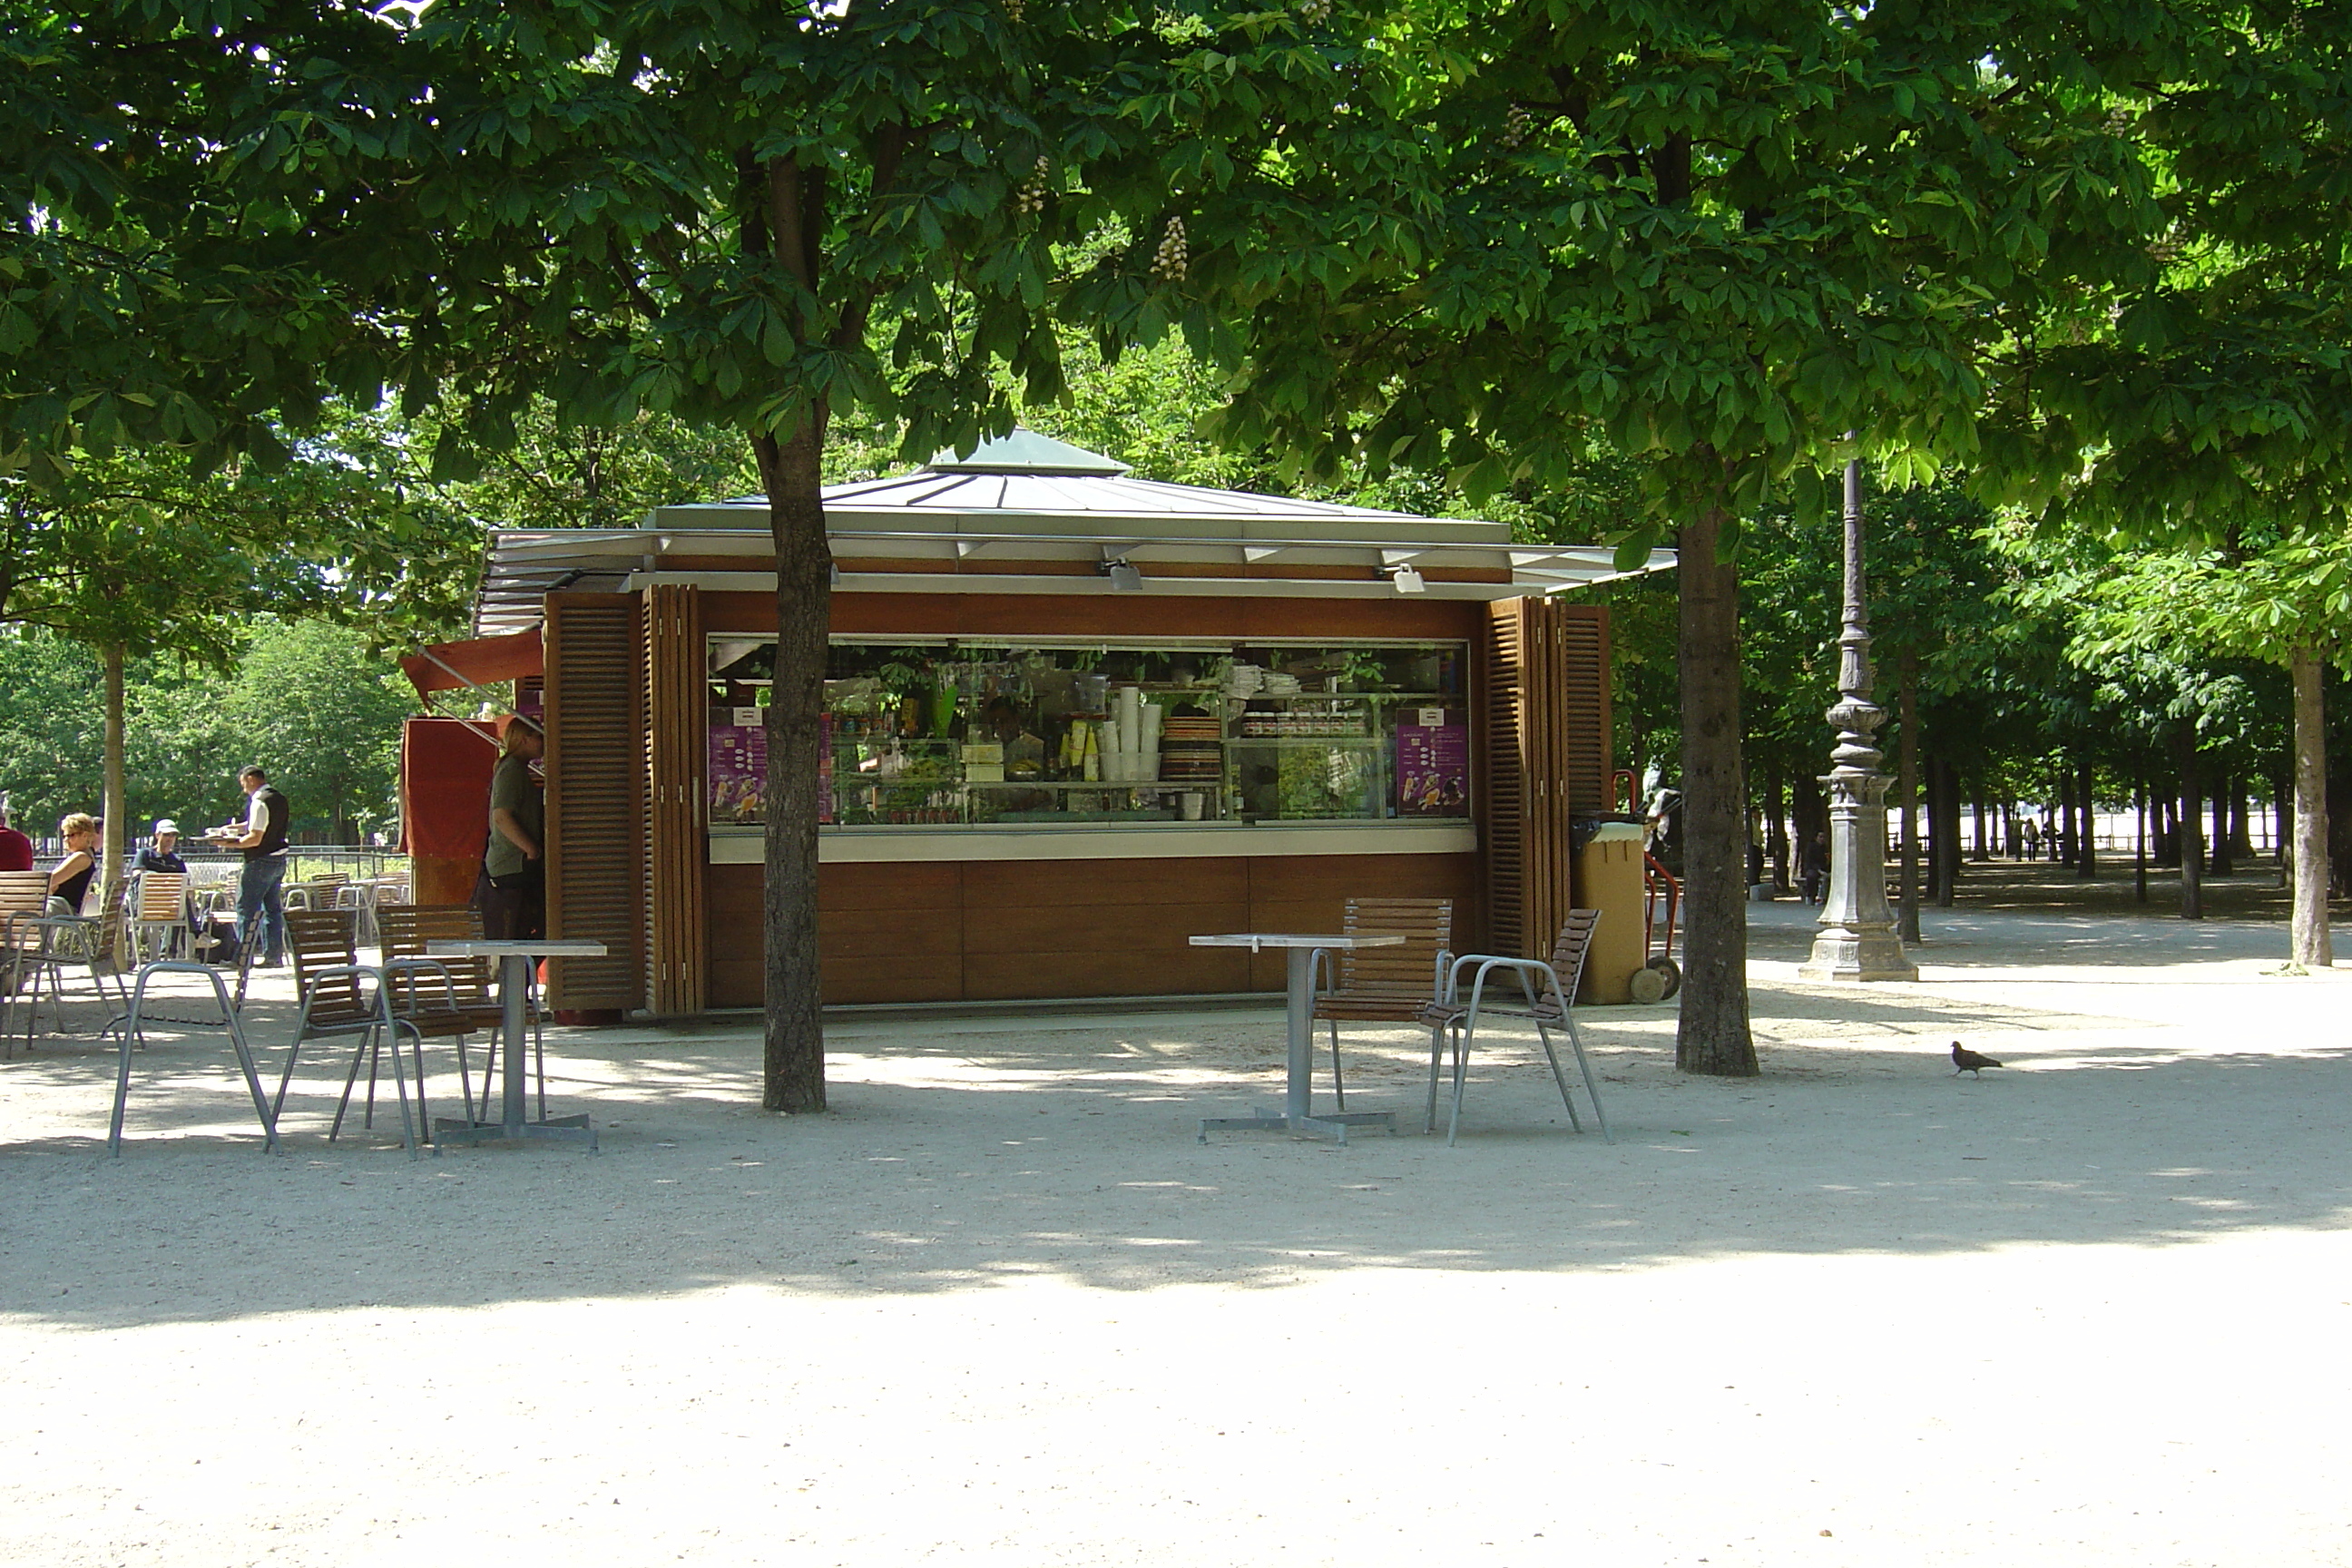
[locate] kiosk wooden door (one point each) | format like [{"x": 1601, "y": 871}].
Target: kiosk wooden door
[{"x": 1546, "y": 756}]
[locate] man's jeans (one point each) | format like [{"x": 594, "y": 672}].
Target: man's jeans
[{"x": 258, "y": 900}]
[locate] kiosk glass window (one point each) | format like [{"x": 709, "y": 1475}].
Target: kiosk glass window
[{"x": 943, "y": 734}]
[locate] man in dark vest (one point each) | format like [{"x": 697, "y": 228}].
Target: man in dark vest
[{"x": 261, "y": 837}]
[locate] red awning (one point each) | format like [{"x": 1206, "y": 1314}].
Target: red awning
[{"x": 449, "y": 666}]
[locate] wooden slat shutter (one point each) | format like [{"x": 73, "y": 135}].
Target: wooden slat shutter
[
  {"x": 676, "y": 699},
  {"x": 1547, "y": 696},
  {"x": 1584, "y": 697},
  {"x": 1502, "y": 792},
  {"x": 595, "y": 826}
]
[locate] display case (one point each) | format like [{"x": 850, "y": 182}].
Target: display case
[{"x": 954, "y": 735}]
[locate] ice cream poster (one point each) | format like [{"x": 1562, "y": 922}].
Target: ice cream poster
[
  {"x": 738, "y": 765},
  {"x": 1432, "y": 769}
]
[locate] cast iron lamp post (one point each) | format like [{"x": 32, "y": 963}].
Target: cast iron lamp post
[{"x": 1856, "y": 940}]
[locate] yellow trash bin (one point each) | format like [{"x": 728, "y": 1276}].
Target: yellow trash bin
[{"x": 1609, "y": 877}]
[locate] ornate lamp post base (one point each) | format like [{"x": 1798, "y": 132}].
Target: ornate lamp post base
[{"x": 1857, "y": 940}]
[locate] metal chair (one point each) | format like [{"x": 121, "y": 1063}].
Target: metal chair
[
  {"x": 1385, "y": 984},
  {"x": 336, "y": 1003},
  {"x": 407, "y": 927},
  {"x": 91, "y": 943},
  {"x": 130, "y": 1024},
  {"x": 1549, "y": 992},
  {"x": 24, "y": 898}
]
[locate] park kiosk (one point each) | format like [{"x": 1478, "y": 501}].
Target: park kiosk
[{"x": 1072, "y": 718}]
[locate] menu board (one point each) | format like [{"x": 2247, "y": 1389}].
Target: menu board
[
  {"x": 739, "y": 764},
  {"x": 1432, "y": 763}
]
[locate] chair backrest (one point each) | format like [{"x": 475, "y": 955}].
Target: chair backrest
[
  {"x": 1409, "y": 972},
  {"x": 404, "y": 929},
  {"x": 163, "y": 896},
  {"x": 1568, "y": 949},
  {"x": 321, "y": 939},
  {"x": 23, "y": 893}
]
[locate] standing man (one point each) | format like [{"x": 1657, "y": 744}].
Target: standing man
[
  {"x": 260, "y": 910},
  {"x": 16, "y": 849},
  {"x": 513, "y": 896}
]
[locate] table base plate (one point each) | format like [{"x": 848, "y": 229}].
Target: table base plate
[
  {"x": 555, "y": 1129},
  {"x": 1333, "y": 1125}
]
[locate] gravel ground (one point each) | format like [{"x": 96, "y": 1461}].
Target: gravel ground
[{"x": 999, "y": 1306}]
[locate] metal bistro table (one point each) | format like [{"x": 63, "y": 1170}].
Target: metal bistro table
[
  {"x": 1296, "y": 1116},
  {"x": 514, "y": 988}
]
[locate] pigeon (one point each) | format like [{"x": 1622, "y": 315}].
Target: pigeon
[{"x": 1968, "y": 1061}]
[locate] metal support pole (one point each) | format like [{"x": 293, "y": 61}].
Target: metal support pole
[{"x": 1856, "y": 940}]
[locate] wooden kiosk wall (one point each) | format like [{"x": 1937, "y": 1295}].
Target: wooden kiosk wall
[{"x": 627, "y": 815}]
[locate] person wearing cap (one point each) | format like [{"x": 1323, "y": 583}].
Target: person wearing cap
[
  {"x": 162, "y": 853},
  {"x": 512, "y": 893},
  {"x": 16, "y": 849}
]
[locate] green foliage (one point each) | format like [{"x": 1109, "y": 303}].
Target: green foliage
[{"x": 306, "y": 700}]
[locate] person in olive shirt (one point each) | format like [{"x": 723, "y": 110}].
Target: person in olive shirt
[{"x": 514, "y": 894}]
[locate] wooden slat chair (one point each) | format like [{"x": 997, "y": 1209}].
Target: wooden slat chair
[
  {"x": 407, "y": 927},
  {"x": 1386, "y": 985},
  {"x": 22, "y": 896},
  {"x": 441, "y": 998},
  {"x": 1547, "y": 991},
  {"x": 92, "y": 946},
  {"x": 337, "y": 1003},
  {"x": 159, "y": 919}
]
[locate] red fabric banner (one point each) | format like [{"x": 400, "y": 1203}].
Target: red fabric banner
[{"x": 445, "y": 788}]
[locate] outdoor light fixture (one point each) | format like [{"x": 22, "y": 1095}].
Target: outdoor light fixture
[
  {"x": 1408, "y": 581},
  {"x": 1124, "y": 578}
]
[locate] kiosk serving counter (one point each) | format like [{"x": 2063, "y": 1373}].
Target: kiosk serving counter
[{"x": 1072, "y": 718}]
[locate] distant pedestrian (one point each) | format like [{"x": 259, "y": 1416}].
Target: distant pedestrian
[
  {"x": 261, "y": 839},
  {"x": 512, "y": 894},
  {"x": 1814, "y": 865},
  {"x": 16, "y": 849}
]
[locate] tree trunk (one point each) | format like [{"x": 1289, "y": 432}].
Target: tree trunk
[
  {"x": 2312, "y": 946},
  {"x": 115, "y": 806},
  {"x": 792, "y": 471},
  {"x": 2069, "y": 844},
  {"x": 1947, "y": 810},
  {"x": 2139, "y": 841},
  {"x": 2223, "y": 865},
  {"x": 2087, "y": 795},
  {"x": 1776, "y": 844},
  {"x": 1906, "y": 792},
  {"x": 1712, "y": 1035},
  {"x": 2192, "y": 847},
  {"x": 2241, "y": 841},
  {"x": 1983, "y": 847}
]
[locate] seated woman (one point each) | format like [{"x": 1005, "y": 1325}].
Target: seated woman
[{"x": 70, "y": 880}]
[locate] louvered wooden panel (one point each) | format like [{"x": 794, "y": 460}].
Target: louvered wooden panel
[
  {"x": 676, "y": 710},
  {"x": 1547, "y": 699},
  {"x": 1584, "y": 683},
  {"x": 595, "y": 768},
  {"x": 1502, "y": 792}
]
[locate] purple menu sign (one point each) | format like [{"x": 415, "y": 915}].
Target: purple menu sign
[
  {"x": 1432, "y": 763},
  {"x": 739, "y": 764}
]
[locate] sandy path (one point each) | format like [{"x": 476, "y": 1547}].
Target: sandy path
[{"x": 1002, "y": 1308}]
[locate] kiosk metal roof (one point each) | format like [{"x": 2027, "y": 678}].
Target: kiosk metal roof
[{"x": 1027, "y": 514}]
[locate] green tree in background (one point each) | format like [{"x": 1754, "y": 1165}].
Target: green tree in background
[{"x": 306, "y": 699}]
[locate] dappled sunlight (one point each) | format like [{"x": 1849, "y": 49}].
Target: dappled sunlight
[{"x": 972, "y": 1152}]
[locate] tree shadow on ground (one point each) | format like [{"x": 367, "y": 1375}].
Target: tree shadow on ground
[{"x": 961, "y": 1157}]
